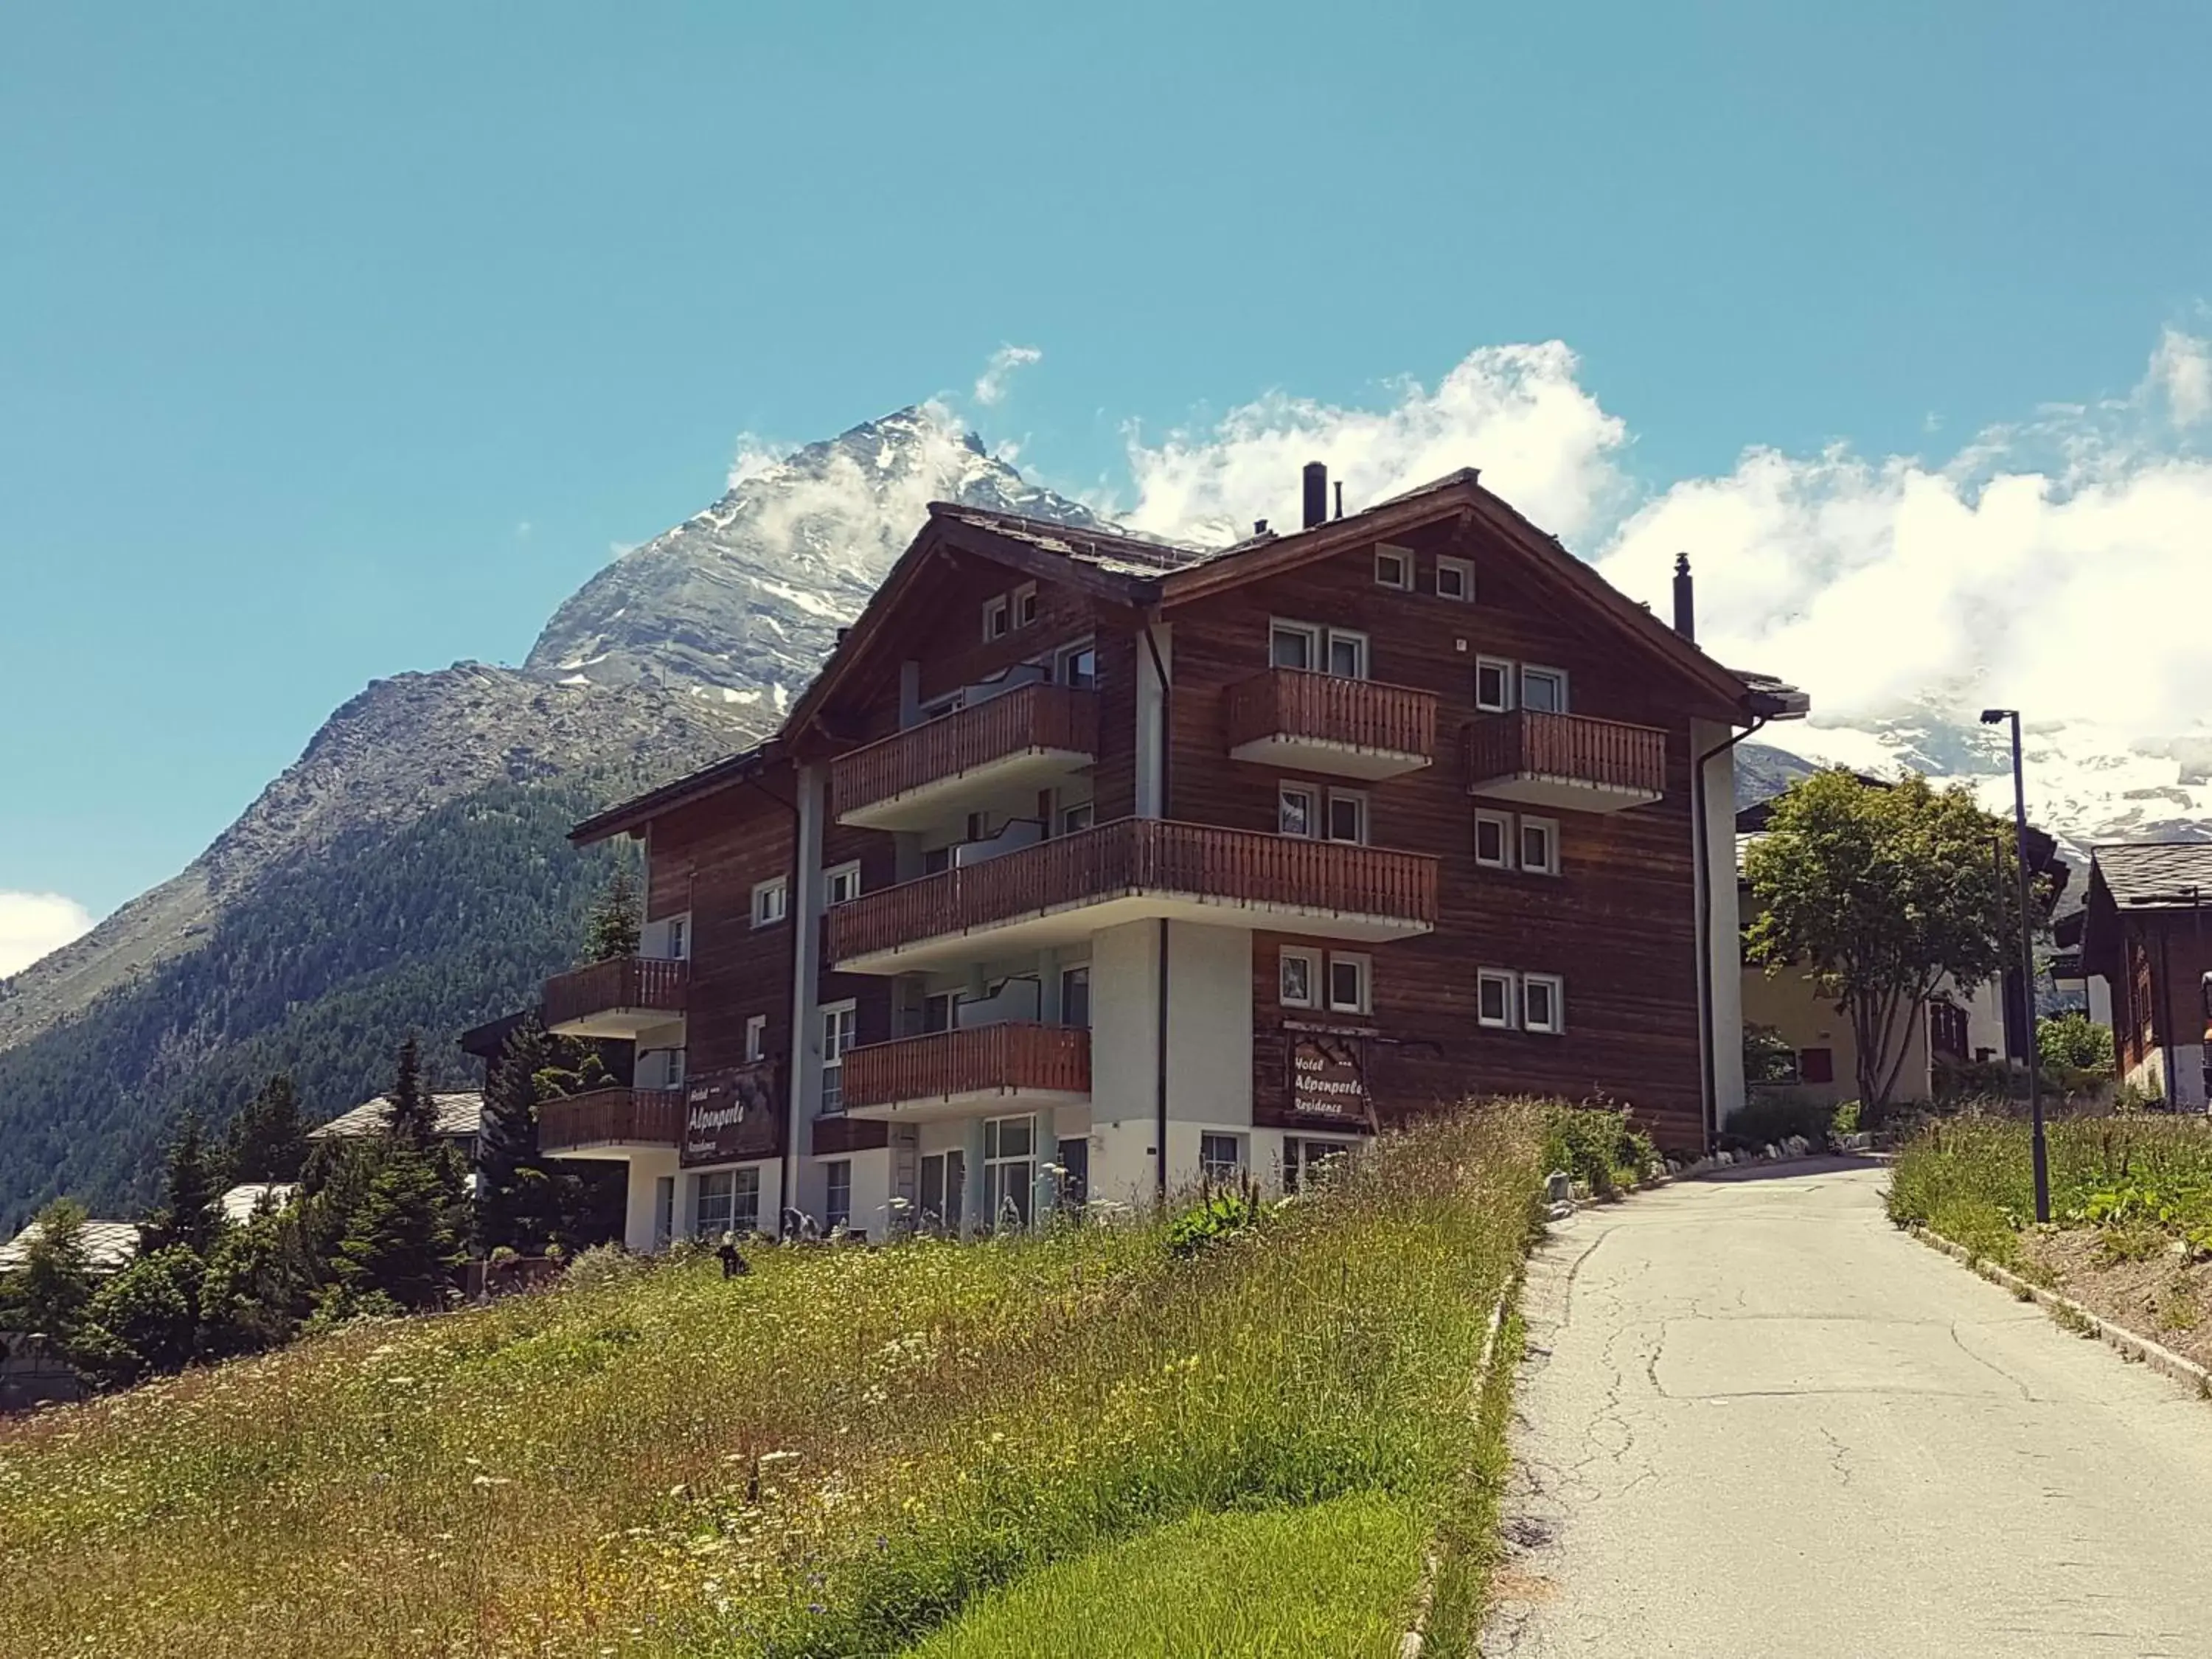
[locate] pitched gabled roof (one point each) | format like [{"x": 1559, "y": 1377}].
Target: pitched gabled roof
[
  {"x": 631, "y": 816},
  {"x": 240, "y": 1202},
  {"x": 108, "y": 1245},
  {"x": 460, "y": 1115},
  {"x": 2154, "y": 875}
]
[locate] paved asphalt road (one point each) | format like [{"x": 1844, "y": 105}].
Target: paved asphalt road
[{"x": 1757, "y": 1420}]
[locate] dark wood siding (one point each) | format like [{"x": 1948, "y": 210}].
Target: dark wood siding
[{"x": 1618, "y": 924}]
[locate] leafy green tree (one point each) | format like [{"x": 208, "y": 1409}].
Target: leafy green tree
[
  {"x": 259, "y": 1285},
  {"x": 2074, "y": 1040},
  {"x": 1881, "y": 895},
  {"x": 144, "y": 1320},
  {"x": 267, "y": 1140},
  {"x": 414, "y": 1121},
  {"x": 49, "y": 1292},
  {"x": 406, "y": 1237},
  {"x": 1767, "y": 1056},
  {"x": 190, "y": 1213},
  {"x": 612, "y": 931}
]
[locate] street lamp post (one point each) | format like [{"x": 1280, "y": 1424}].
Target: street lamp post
[{"x": 2042, "y": 1156}]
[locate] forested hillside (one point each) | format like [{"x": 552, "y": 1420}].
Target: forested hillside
[{"x": 449, "y": 922}]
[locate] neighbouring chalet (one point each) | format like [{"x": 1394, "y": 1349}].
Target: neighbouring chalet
[
  {"x": 1093, "y": 866},
  {"x": 1953, "y": 1028},
  {"x": 2146, "y": 932}
]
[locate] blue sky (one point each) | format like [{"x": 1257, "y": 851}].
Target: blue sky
[{"x": 306, "y": 313}]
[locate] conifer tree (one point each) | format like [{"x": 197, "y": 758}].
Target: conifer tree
[
  {"x": 406, "y": 1237},
  {"x": 268, "y": 1139},
  {"x": 613, "y": 930},
  {"x": 49, "y": 1291},
  {"x": 513, "y": 1210},
  {"x": 414, "y": 1119},
  {"x": 191, "y": 1213}
]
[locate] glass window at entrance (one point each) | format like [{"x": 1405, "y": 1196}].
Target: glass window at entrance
[{"x": 1009, "y": 1169}]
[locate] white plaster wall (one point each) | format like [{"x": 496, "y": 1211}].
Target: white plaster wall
[
  {"x": 1124, "y": 1037},
  {"x": 1210, "y": 1024},
  {"x": 645, "y": 1170},
  {"x": 1723, "y": 941},
  {"x": 2186, "y": 1075},
  {"x": 1152, "y": 723},
  {"x": 871, "y": 1189}
]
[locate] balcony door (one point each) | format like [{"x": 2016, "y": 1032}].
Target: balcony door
[
  {"x": 943, "y": 1185},
  {"x": 1009, "y": 1171},
  {"x": 840, "y": 1034}
]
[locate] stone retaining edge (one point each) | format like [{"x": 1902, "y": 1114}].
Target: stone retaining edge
[
  {"x": 2130, "y": 1344},
  {"x": 1410, "y": 1645}
]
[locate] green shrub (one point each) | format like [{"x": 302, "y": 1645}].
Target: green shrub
[
  {"x": 1770, "y": 1120},
  {"x": 1220, "y": 1214},
  {"x": 1846, "y": 1121},
  {"x": 1598, "y": 1146},
  {"x": 2075, "y": 1042}
]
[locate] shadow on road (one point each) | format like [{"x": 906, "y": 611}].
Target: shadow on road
[{"x": 1794, "y": 1168}]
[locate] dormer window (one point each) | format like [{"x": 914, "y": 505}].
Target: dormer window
[
  {"x": 997, "y": 614},
  {"x": 1026, "y": 606},
  {"x": 1393, "y": 567},
  {"x": 1455, "y": 580}
]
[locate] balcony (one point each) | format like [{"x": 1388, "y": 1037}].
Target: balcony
[
  {"x": 1013, "y": 1067},
  {"x": 612, "y": 1118},
  {"x": 1020, "y": 741},
  {"x": 1133, "y": 870},
  {"x": 620, "y": 998},
  {"x": 1326, "y": 723},
  {"x": 1567, "y": 762}
]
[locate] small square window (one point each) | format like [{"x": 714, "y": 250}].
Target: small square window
[
  {"x": 1494, "y": 996},
  {"x": 1455, "y": 579},
  {"x": 1347, "y": 817},
  {"x": 1348, "y": 991},
  {"x": 1080, "y": 817},
  {"x": 1541, "y": 999},
  {"x": 1393, "y": 567},
  {"x": 1296, "y": 813},
  {"x": 1076, "y": 666},
  {"x": 1493, "y": 839},
  {"x": 1493, "y": 685},
  {"x": 756, "y": 1038},
  {"x": 1026, "y": 606},
  {"x": 1294, "y": 645},
  {"x": 1220, "y": 1159},
  {"x": 771, "y": 902},
  {"x": 996, "y": 618},
  {"x": 1539, "y": 847},
  {"x": 1544, "y": 689},
  {"x": 1347, "y": 655},
  {"x": 1296, "y": 973},
  {"x": 843, "y": 884}
]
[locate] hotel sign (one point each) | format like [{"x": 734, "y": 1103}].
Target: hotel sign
[
  {"x": 1327, "y": 1080},
  {"x": 716, "y": 1107}
]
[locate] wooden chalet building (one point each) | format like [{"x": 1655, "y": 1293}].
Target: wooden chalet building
[
  {"x": 2146, "y": 932},
  {"x": 1096, "y": 866}
]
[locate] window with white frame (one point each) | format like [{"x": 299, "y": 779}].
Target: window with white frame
[
  {"x": 756, "y": 1038},
  {"x": 841, "y": 1026},
  {"x": 745, "y": 1200},
  {"x": 843, "y": 884},
  {"x": 713, "y": 1200},
  {"x": 675, "y": 937},
  {"x": 998, "y": 615},
  {"x": 1544, "y": 689},
  {"x": 1075, "y": 996},
  {"x": 672, "y": 1068},
  {"x": 1078, "y": 816},
  {"x": 1297, "y": 978},
  {"x": 1493, "y": 839},
  {"x": 1294, "y": 645},
  {"x": 1076, "y": 665},
  {"x": 1348, "y": 815},
  {"x": 1393, "y": 567},
  {"x": 1493, "y": 998},
  {"x": 1009, "y": 1169},
  {"x": 1306, "y": 1162},
  {"x": 1350, "y": 984},
  {"x": 838, "y": 1194},
  {"x": 1493, "y": 685},
  {"x": 1025, "y": 604},
  {"x": 1347, "y": 654},
  {"x": 1540, "y": 846},
  {"x": 1455, "y": 580},
  {"x": 1220, "y": 1159},
  {"x": 1297, "y": 809},
  {"x": 1543, "y": 998},
  {"x": 940, "y": 1012},
  {"x": 771, "y": 902}
]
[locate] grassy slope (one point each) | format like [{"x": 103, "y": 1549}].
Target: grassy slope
[{"x": 833, "y": 1457}]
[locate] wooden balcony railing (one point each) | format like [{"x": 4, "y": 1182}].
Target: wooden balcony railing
[
  {"x": 1293, "y": 702},
  {"x": 1137, "y": 856},
  {"x": 644, "y": 1117},
  {"x": 976, "y": 1059},
  {"x": 647, "y": 983},
  {"x": 1047, "y": 717},
  {"x": 1574, "y": 747}
]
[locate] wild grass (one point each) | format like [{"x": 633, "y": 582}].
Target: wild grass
[
  {"x": 2144, "y": 1179},
  {"x": 828, "y": 1460},
  {"x": 1333, "y": 1578}
]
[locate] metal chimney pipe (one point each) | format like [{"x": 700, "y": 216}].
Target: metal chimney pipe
[
  {"x": 1686, "y": 606},
  {"x": 1340, "y": 498},
  {"x": 1317, "y": 493}
]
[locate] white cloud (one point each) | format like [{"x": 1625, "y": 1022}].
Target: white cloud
[
  {"x": 1517, "y": 412},
  {"x": 34, "y": 923},
  {"x": 2181, "y": 373},
  {"x": 991, "y": 385}
]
